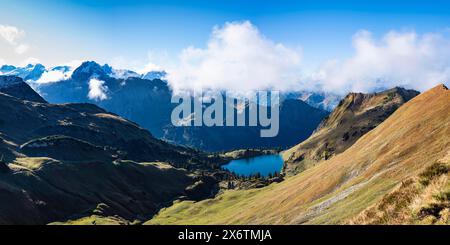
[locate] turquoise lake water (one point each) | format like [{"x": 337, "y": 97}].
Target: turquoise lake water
[{"x": 264, "y": 165}]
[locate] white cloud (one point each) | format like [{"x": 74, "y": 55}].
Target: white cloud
[
  {"x": 120, "y": 62},
  {"x": 150, "y": 67},
  {"x": 21, "y": 48},
  {"x": 53, "y": 76},
  {"x": 30, "y": 60},
  {"x": 73, "y": 64},
  {"x": 157, "y": 60},
  {"x": 97, "y": 90},
  {"x": 239, "y": 58},
  {"x": 12, "y": 35},
  {"x": 398, "y": 59}
]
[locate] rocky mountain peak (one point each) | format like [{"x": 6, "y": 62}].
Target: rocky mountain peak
[
  {"x": 7, "y": 68},
  {"x": 87, "y": 70}
]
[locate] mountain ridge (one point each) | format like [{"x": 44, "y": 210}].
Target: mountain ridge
[
  {"x": 355, "y": 115},
  {"x": 16, "y": 87}
]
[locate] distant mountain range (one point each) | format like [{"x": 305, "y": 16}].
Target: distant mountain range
[
  {"x": 36, "y": 73},
  {"x": 33, "y": 72},
  {"x": 29, "y": 72},
  {"x": 322, "y": 100},
  {"x": 145, "y": 99}
]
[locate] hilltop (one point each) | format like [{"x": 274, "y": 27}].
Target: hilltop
[{"x": 16, "y": 87}]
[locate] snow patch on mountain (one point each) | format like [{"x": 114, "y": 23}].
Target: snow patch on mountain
[
  {"x": 325, "y": 101},
  {"x": 29, "y": 72},
  {"x": 154, "y": 75},
  {"x": 123, "y": 74},
  {"x": 37, "y": 73},
  {"x": 317, "y": 99}
]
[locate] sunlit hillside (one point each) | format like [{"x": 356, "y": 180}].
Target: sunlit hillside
[{"x": 411, "y": 140}]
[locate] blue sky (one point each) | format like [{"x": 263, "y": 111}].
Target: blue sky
[
  {"x": 105, "y": 29},
  {"x": 124, "y": 32}
]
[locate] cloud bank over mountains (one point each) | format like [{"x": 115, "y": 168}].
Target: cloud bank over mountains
[
  {"x": 397, "y": 59},
  {"x": 238, "y": 57},
  {"x": 53, "y": 76},
  {"x": 60, "y": 73}
]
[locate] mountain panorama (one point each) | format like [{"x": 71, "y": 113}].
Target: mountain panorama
[
  {"x": 146, "y": 100},
  {"x": 219, "y": 120},
  {"x": 373, "y": 154}
]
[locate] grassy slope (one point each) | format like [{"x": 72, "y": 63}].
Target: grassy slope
[
  {"x": 424, "y": 199},
  {"x": 413, "y": 138},
  {"x": 94, "y": 220},
  {"x": 44, "y": 190}
]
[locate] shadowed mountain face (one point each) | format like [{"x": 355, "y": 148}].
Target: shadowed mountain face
[
  {"x": 44, "y": 190},
  {"x": 60, "y": 162},
  {"x": 368, "y": 179},
  {"x": 7, "y": 150},
  {"x": 148, "y": 102},
  {"x": 297, "y": 121},
  {"x": 355, "y": 115},
  {"x": 22, "y": 121},
  {"x": 16, "y": 87}
]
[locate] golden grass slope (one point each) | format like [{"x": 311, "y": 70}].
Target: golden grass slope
[
  {"x": 424, "y": 199},
  {"x": 415, "y": 137}
]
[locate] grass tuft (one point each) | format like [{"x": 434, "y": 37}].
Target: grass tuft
[{"x": 432, "y": 172}]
